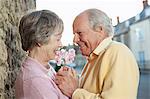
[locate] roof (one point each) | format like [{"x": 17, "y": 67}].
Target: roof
[{"x": 123, "y": 27}]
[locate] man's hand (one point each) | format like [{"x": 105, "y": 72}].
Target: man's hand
[{"x": 67, "y": 80}]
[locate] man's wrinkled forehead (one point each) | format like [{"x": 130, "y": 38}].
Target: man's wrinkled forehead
[{"x": 80, "y": 19}]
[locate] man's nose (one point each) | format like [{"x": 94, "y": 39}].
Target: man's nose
[{"x": 76, "y": 38}]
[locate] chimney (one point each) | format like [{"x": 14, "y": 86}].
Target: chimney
[
  {"x": 145, "y": 4},
  {"x": 118, "y": 20}
]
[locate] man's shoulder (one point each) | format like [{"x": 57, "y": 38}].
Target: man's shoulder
[{"x": 117, "y": 46}]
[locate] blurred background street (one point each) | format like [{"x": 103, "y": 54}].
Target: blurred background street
[{"x": 144, "y": 86}]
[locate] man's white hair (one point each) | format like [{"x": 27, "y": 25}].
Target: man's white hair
[{"x": 99, "y": 18}]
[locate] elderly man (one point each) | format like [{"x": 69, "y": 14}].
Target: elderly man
[{"x": 111, "y": 71}]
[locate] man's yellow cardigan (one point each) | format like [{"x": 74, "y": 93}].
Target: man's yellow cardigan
[{"x": 111, "y": 73}]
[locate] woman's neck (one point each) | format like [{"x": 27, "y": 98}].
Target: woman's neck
[{"x": 40, "y": 57}]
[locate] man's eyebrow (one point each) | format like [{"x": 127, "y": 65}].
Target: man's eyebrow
[{"x": 78, "y": 32}]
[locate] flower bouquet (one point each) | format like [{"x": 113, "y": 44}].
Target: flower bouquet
[{"x": 64, "y": 57}]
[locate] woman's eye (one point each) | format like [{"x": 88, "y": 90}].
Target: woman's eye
[{"x": 58, "y": 39}]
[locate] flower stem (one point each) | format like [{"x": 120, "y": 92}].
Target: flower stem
[{"x": 57, "y": 68}]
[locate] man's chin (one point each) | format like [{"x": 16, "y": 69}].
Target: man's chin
[{"x": 83, "y": 52}]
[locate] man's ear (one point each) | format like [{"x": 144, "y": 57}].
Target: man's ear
[
  {"x": 99, "y": 28},
  {"x": 101, "y": 31}
]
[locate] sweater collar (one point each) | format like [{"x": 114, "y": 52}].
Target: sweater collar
[{"x": 103, "y": 45}]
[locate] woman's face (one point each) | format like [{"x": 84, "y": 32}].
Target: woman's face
[{"x": 53, "y": 44}]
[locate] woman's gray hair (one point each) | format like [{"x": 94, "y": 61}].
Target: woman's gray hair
[
  {"x": 37, "y": 27},
  {"x": 98, "y": 18}
]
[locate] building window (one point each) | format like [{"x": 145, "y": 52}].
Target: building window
[
  {"x": 137, "y": 17},
  {"x": 141, "y": 59},
  {"x": 147, "y": 12},
  {"x": 122, "y": 38},
  {"x": 127, "y": 23},
  {"x": 139, "y": 34}
]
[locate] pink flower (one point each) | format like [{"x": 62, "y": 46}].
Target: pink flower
[{"x": 65, "y": 57}]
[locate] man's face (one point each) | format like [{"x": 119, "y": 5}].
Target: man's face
[{"x": 84, "y": 36}]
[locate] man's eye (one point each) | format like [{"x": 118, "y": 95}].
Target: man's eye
[{"x": 79, "y": 33}]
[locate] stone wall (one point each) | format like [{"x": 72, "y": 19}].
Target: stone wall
[{"x": 11, "y": 53}]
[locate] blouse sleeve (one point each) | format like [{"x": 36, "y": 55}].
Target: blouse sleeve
[{"x": 42, "y": 89}]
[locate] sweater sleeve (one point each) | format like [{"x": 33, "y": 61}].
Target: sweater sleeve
[
  {"x": 84, "y": 94},
  {"x": 43, "y": 89}
]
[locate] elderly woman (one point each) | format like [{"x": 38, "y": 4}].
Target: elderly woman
[{"x": 41, "y": 33}]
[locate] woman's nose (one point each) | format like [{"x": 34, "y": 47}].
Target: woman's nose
[{"x": 60, "y": 44}]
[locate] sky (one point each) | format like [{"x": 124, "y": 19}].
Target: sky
[{"x": 67, "y": 10}]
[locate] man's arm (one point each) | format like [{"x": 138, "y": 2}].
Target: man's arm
[
  {"x": 81, "y": 93},
  {"x": 120, "y": 81}
]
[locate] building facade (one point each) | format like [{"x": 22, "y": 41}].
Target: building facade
[{"x": 135, "y": 33}]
